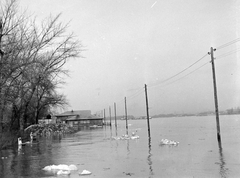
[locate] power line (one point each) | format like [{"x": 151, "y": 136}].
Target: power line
[
  {"x": 228, "y": 53},
  {"x": 229, "y": 43},
  {"x": 185, "y": 75},
  {"x": 136, "y": 94},
  {"x": 179, "y": 72}
]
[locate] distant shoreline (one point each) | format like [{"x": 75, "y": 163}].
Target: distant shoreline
[{"x": 187, "y": 115}]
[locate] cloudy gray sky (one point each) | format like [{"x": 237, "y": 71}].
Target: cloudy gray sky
[{"x": 135, "y": 42}]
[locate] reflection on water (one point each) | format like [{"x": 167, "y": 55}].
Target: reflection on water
[
  {"x": 149, "y": 158},
  {"x": 94, "y": 150},
  {"x": 128, "y": 149},
  {"x": 116, "y": 131},
  {"x": 223, "y": 170}
]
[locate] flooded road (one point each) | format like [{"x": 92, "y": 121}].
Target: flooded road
[{"x": 197, "y": 155}]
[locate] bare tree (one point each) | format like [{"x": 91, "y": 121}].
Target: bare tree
[{"x": 32, "y": 62}]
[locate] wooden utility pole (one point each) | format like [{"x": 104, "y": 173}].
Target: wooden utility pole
[
  {"x": 104, "y": 116},
  {"x": 115, "y": 112},
  {"x": 110, "y": 116},
  {"x": 215, "y": 95},
  {"x": 126, "y": 115},
  {"x": 147, "y": 110}
]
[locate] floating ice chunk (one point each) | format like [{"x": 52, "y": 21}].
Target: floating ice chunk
[
  {"x": 62, "y": 167},
  {"x": 168, "y": 142},
  {"x": 72, "y": 167},
  {"x": 85, "y": 172},
  {"x": 126, "y": 137},
  {"x": 63, "y": 172},
  {"x": 135, "y": 137},
  {"x": 47, "y": 168}
]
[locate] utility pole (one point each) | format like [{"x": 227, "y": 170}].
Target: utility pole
[
  {"x": 104, "y": 117},
  {"x": 126, "y": 115},
  {"x": 110, "y": 116},
  {"x": 147, "y": 110},
  {"x": 115, "y": 112},
  {"x": 215, "y": 95}
]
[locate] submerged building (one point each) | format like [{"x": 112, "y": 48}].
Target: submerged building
[{"x": 79, "y": 119}]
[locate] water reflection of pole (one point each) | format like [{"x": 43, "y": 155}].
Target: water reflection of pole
[
  {"x": 126, "y": 115},
  {"x": 128, "y": 148},
  {"x": 147, "y": 111},
  {"x": 215, "y": 95},
  {"x": 223, "y": 170},
  {"x": 149, "y": 158}
]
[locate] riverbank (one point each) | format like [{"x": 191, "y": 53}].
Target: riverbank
[
  {"x": 46, "y": 129},
  {"x": 9, "y": 139}
]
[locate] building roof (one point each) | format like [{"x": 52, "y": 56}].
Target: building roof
[
  {"x": 81, "y": 113},
  {"x": 74, "y": 118},
  {"x": 77, "y": 115}
]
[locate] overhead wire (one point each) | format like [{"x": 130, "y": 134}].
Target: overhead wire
[
  {"x": 131, "y": 96},
  {"x": 136, "y": 94},
  {"x": 186, "y": 74},
  {"x": 179, "y": 72},
  {"x": 228, "y": 44},
  {"x": 228, "y": 53},
  {"x": 141, "y": 90}
]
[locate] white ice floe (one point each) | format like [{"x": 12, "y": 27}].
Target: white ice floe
[
  {"x": 126, "y": 137},
  {"x": 63, "y": 172},
  {"x": 73, "y": 167},
  {"x": 85, "y": 172},
  {"x": 168, "y": 142},
  {"x": 135, "y": 137},
  {"x": 61, "y": 168}
]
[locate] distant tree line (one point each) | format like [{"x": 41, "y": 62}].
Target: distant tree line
[
  {"x": 233, "y": 111},
  {"x": 32, "y": 56}
]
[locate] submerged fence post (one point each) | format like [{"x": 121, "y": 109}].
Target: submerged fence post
[
  {"x": 147, "y": 110},
  {"x": 215, "y": 95},
  {"x": 126, "y": 115}
]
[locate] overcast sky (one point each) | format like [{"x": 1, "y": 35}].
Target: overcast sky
[{"x": 135, "y": 42}]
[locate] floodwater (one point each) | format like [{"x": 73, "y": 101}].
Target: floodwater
[{"x": 198, "y": 154}]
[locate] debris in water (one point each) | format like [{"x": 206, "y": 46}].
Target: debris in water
[
  {"x": 168, "y": 142},
  {"x": 63, "y": 172},
  {"x": 128, "y": 173},
  {"x": 61, "y": 169},
  {"x": 126, "y": 137},
  {"x": 85, "y": 172}
]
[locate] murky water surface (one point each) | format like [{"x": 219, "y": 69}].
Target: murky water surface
[{"x": 197, "y": 155}]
